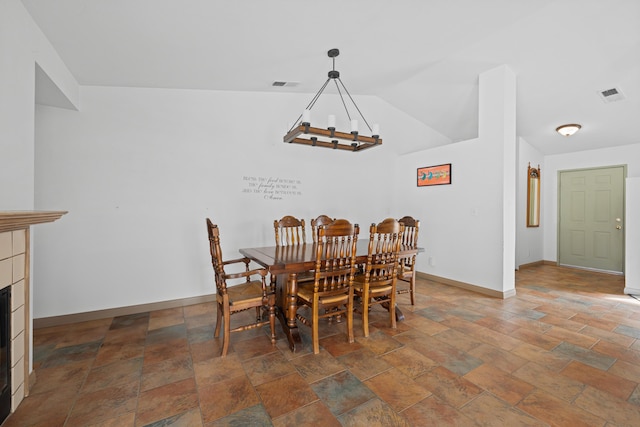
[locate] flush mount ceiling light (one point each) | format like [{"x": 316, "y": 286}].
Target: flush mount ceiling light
[
  {"x": 303, "y": 133},
  {"x": 568, "y": 130}
]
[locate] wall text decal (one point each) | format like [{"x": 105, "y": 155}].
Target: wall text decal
[{"x": 272, "y": 188}]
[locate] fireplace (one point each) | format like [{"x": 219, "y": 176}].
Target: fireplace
[
  {"x": 14, "y": 355},
  {"x": 15, "y": 339},
  {"x": 5, "y": 354}
]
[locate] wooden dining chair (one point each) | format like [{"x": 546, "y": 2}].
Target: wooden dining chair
[
  {"x": 289, "y": 230},
  {"x": 407, "y": 265},
  {"x": 318, "y": 222},
  {"x": 378, "y": 283},
  {"x": 331, "y": 292},
  {"x": 237, "y": 298}
]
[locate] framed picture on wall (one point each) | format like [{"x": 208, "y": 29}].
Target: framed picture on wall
[{"x": 434, "y": 175}]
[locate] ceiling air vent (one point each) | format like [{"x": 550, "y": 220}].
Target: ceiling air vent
[
  {"x": 611, "y": 95},
  {"x": 288, "y": 84}
]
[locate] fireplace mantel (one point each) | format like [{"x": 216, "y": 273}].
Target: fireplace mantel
[{"x": 16, "y": 220}]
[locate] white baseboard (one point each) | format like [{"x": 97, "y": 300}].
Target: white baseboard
[
  {"x": 469, "y": 287},
  {"x": 45, "y": 322},
  {"x": 631, "y": 291}
]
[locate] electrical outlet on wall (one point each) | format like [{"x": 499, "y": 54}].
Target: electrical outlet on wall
[{"x": 432, "y": 262}]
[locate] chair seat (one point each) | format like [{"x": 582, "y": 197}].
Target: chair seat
[
  {"x": 404, "y": 273},
  {"x": 305, "y": 277},
  {"x": 305, "y": 291},
  {"x": 374, "y": 290},
  {"x": 247, "y": 293}
]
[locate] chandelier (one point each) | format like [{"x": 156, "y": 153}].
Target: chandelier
[{"x": 303, "y": 133}]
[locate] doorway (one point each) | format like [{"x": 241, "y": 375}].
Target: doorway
[{"x": 591, "y": 218}]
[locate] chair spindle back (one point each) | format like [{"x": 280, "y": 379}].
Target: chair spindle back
[{"x": 289, "y": 230}]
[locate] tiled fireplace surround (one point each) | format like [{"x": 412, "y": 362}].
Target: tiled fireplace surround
[{"x": 14, "y": 272}]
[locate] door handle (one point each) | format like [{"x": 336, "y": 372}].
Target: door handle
[{"x": 618, "y": 227}]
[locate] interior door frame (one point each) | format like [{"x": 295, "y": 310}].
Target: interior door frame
[{"x": 624, "y": 218}]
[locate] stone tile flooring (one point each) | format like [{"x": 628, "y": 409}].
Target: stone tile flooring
[{"x": 564, "y": 351}]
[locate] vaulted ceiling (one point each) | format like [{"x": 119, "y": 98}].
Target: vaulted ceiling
[{"x": 421, "y": 56}]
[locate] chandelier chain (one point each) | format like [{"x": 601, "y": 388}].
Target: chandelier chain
[
  {"x": 342, "y": 98},
  {"x": 354, "y": 104}
]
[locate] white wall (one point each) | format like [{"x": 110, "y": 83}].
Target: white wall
[
  {"x": 529, "y": 240},
  {"x": 22, "y": 44},
  {"x": 468, "y": 227},
  {"x": 16, "y": 108},
  {"x": 624, "y": 155},
  {"x": 632, "y": 237},
  {"x": 140, "y": 169}
]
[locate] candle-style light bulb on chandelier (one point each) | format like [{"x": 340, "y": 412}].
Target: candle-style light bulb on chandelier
[{"x": 303, "y": 133}]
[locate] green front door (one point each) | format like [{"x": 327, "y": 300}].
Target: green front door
[{"x": 591, "y": 223}]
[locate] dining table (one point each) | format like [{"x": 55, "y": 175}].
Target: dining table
[{"x": 287, "y": 263}]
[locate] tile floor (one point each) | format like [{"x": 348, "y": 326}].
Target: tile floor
[{"x": 564, "y": 351}]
